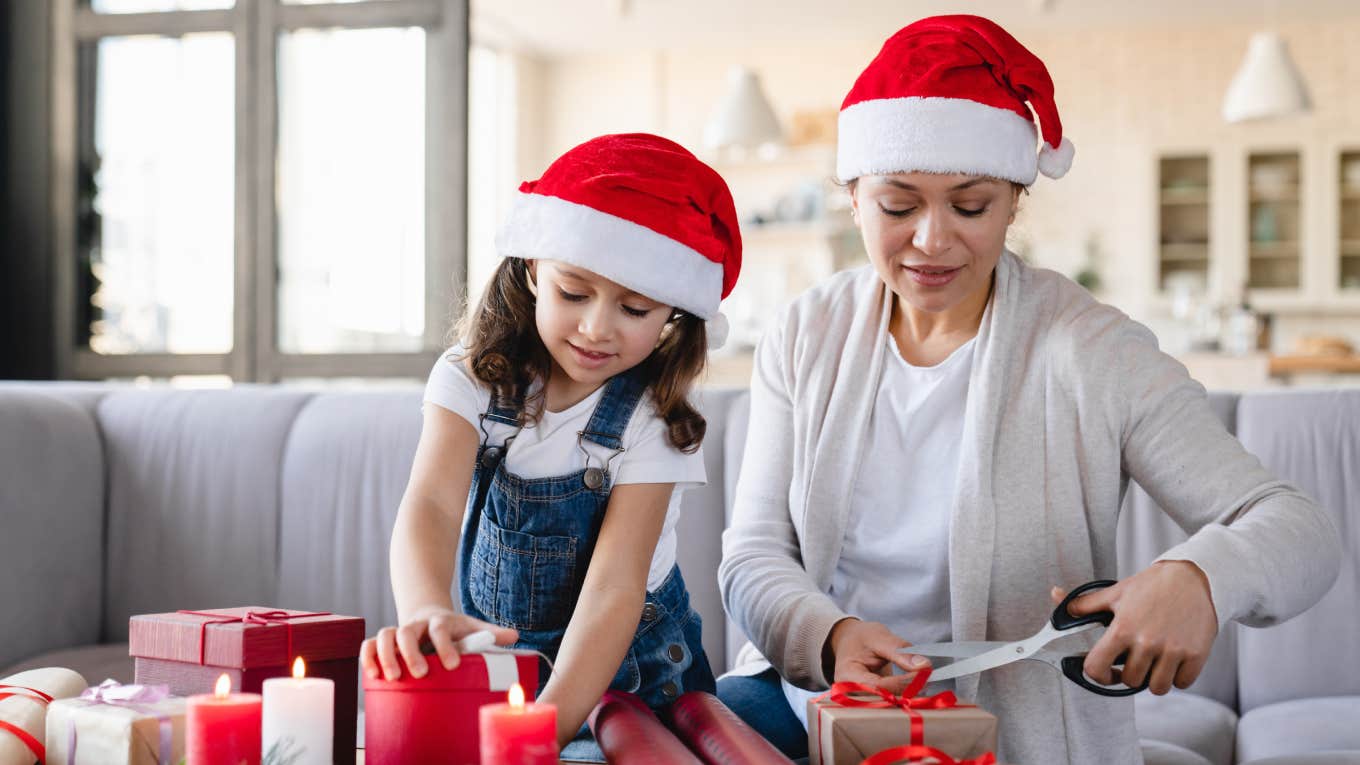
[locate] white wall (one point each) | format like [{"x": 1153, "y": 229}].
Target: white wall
[{"x": 1124, "y": 94}]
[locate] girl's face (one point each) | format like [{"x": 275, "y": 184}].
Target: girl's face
[
  {"x": 934, "y": 239},
  {"x": 593, "y": 328}
]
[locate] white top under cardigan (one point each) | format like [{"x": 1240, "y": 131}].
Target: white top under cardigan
[
  {"x": 1068, "y": 399},
  {"x": 894, "y": 563}
]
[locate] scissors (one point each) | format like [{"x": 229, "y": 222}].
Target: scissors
[{"x": 981, "y": 655}]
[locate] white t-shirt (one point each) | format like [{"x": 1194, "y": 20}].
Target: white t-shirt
[
  {"x": 894, "y": 563},
  {"x": 550, "y": 448}
]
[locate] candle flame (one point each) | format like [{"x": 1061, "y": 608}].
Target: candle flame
[
  {"x": 223, "y": 686},
  {"x": 516, "y": 697},
  {"x": 299, "y": 667}
]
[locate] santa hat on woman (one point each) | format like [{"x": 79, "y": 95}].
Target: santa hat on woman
[
  {"x": 640, "y": 211},
  {"x": 949, "y": 94}
]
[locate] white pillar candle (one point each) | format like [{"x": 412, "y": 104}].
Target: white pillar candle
[{"x": 299, "y": 716}]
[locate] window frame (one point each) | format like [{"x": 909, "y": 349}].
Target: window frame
[{"x": 256, "y": 26}]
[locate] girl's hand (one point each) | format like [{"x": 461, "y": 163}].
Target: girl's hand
[
  {"x": 1163, "y": 616},
  {"x": 865, "y": 652},
  {"x": 442, "y": 626}
]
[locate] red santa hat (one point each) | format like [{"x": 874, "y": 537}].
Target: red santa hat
[
  {"x": 948, "y": 95},
  {"x": 640, "y": 211}
]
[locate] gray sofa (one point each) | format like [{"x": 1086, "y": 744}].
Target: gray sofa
[{"x": 116, "y": 501}]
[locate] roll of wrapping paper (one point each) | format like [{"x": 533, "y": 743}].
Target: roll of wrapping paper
[
  {"x": 629, "y": 734},
  {"x": 717, "y": 735},
  {"x": 23, "y": 710}
]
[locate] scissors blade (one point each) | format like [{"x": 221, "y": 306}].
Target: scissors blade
[
  {"x": 962, "y": 649},
  {"x": 1006, "y": 654}
]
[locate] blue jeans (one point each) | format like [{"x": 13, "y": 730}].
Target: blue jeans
[{"x": 759, "y": 701}]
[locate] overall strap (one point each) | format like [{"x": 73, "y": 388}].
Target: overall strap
[{"x": 610, "y": 418}]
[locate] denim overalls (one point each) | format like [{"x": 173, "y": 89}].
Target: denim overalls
[{"x": 527, "y": 543}]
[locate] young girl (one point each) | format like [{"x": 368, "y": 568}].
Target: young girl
[{"x": 562, "y": 426}]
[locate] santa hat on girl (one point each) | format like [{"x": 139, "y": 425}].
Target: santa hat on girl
[
  {"x": 640, "y": 211},
  {"x": 948, "y": 95}
]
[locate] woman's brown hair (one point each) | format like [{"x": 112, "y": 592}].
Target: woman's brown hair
[{"x": 503, "y": 350}]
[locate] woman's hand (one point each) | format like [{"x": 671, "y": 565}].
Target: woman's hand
[
  {"x": 865, "y": 652},
  {"x": 442, "y": 626},
  {"x": 1163, "y": 616}
]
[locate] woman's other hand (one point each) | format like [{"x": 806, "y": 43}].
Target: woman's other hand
[
  {"x": 1163, "y": 616},
  {"x": 865, "y": 652},
  {"x": 443, "y": 628}
]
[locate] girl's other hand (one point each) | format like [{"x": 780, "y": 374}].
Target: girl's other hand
[{"x": 443, "y": 628}]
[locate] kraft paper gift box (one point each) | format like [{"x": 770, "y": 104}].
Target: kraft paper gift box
[
  {"x": 188, "y": 650},
  {"x": 853, "y": 722},
  {"x": 114, "y": 724}
]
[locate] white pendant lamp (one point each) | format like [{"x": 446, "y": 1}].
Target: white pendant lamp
[
  {"x": 744, "y": 118},
  {"x": 1267, "y": 85}
]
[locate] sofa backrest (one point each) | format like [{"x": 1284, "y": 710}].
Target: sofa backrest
[
  {"x": 192, "y": 498},
  {"x": 1310, "y": 438}
]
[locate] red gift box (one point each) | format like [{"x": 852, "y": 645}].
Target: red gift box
[
  {"x": 432, "y": 720},
  {"x": 189, "y": 650}
]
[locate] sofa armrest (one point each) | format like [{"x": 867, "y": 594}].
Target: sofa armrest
[{"x": 52, "y": 515}]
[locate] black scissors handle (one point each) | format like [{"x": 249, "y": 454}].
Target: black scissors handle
[
  {"x": 1062, "y": 620},
  {"x": 1072, "y": 666}
]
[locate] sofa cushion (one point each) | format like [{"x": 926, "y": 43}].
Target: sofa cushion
[
  {"x": 52, "y": 511},
  {"x": 1291, "y": 728},
  {"x": 1189, "y": 720},
  {"x": 1310, "y": 439},
  {"x": 345, "y": 469},
  {"x": 1165, "y": 753},
  {"x": 95, "y": 663},
  {"x": 734, "y": 447},
  {"x": 702, "y": 520},
  {"x": 193, "y": 498},
  {"x": 1351, "y": 757}
]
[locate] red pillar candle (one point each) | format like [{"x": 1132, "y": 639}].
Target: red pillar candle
[
  {"x": 516, "y": 733},
  {"x": 223, "y": 728}
]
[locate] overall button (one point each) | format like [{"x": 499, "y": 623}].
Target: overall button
[
  {"x": 594, "y": 478},
  {"x": 649, "y": 612},
  {"x": 490, "y": 456},
  {"x": 676, "y": 653},
  {"x": 670, "y": 690}
]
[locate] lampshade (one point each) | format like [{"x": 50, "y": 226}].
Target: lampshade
[
  {"x": 1267, "y": 84},
  {"x": 744, "y": 118}
]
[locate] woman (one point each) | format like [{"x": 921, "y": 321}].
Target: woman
[{"x": 946, "y": 435}]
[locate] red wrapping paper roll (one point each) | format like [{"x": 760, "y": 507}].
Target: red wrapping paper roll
[
  {"x": 629, "y": 734},
  {"x": 718, "y": 735}
]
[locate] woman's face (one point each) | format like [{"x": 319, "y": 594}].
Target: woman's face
[{"x": 934, "y": 239}]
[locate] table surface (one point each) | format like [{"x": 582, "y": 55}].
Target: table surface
[{"x": 360, "y": 759}]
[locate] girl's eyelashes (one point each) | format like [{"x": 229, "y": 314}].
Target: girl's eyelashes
[
  {"x": 904, "y": 212},
  {"x": 572, "y": 297},
  {"x": 971, "y": 213}
]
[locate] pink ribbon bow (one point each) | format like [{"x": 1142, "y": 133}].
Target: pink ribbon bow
[{"x": 134, "y": 697}]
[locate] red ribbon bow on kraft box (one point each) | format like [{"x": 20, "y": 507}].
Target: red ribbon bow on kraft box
[{"x": 855, "y": 724}]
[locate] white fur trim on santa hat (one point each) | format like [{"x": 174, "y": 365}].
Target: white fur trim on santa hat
[
  {"x": 935, "y": 135},
  {"x": 620, "y": 250}
]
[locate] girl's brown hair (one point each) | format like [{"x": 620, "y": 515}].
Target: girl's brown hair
[{"x": 502, "y": 349}]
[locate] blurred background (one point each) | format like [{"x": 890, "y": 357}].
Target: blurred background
[{"x": 214, "y": 191}]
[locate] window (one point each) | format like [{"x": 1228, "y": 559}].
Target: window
[{"x": 258, "y": 189}]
